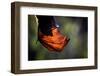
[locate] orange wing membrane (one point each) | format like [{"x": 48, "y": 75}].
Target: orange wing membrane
[
  {"x": 49, "y": 35},
  {"x": 54, "y": 42}
]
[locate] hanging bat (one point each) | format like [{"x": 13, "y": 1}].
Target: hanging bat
[{"x": 49, "y": 34}]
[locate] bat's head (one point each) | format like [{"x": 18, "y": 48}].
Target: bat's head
[{"x": 46, "y": 23}]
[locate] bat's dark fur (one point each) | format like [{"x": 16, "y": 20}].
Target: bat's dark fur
[{"x": 45, "y": 24}]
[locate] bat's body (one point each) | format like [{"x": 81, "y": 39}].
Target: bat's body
[{"x": 49, "y": 35}]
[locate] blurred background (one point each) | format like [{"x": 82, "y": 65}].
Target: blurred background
[{"x": 76, "y": 28}]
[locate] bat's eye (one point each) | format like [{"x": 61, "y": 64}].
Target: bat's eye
[{"x": 57, "y": 25}]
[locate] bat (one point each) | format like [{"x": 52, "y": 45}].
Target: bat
[{"x": 49, "y": 34}]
